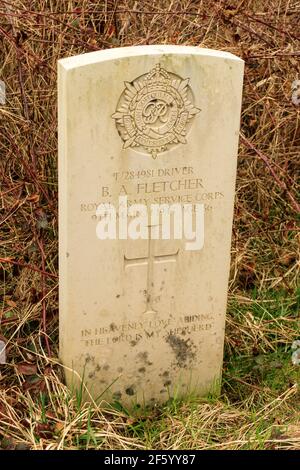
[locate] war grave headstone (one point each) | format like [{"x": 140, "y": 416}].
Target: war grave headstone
[{"x": 143, "y": 129}]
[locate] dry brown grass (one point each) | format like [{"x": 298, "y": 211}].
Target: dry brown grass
[{"x": 260, "y": 404}]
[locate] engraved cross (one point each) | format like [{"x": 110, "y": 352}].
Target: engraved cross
[{"x": 150, "y": 260}]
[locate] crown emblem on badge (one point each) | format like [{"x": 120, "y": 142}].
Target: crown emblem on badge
[{"x": 155, "y": 111}]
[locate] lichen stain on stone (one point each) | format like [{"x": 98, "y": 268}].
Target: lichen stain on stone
[
  {"x": 134, "y": 342},
  {"x": 165, "y": 374},
  {"x": 143, "y": 357},
  {"x": 182, "y": 348},
  {"x": 120, "y": 369},
  {"x": 89, "y": 358},
  {"x": 167, "y": 383},
  {"x": 106, "y": 367},
  {"x": 129, "y": 391},
  {"x": 113, "y": 327},
  {"x": 142, "y": 370},
  {"x": 117, "y": 395}
]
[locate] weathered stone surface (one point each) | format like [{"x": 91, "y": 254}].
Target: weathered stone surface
[{"x": 143, "y": 320}]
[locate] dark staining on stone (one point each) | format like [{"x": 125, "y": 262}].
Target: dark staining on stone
[
  {"x": 120, "y": 369},
  {"x": 143, "y": 356},
  {"x": 106, "y": 367},
  {"x": 166, "y": 373},
  {"x": 89, "y": 358},
  {"x": 167, "y": 383},
  {"x": 134, "y": 342},
  {"x": 182, "y": 348},
  {"x": 142, "y": 370},
  {"x": 67, "y": 255},
  {"x": 91, "y": 375},
  {"x": 118, "y": 296},
  {"x": 117, "y": 395},
  {"x": 163, "y": 390},
  {"x": 129, "y": 391},
  {"x": 113, "y": 327}
]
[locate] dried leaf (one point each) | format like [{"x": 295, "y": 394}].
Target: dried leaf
[
  {"x": 288, "y": 258},
  {"x": 26, "y": 369},
  {"x": 59, "y": 426},
  {"x": 35, "y": 384},
  {"x": 44, "y": 430},
  {"x": 48, "y": 370},
  {"x": 22, "y": 446},
  {"x": 7, "y": 443},
  {"x": 34, "y": 198}
]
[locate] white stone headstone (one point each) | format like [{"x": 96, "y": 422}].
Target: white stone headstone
[
  {"x": 2, "y": 93},
  {"x": 143, "y": 320},
  {"x": 2, "y": 352}
]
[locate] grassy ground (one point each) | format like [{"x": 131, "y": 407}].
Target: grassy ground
[{"x": 259, "y": 407}]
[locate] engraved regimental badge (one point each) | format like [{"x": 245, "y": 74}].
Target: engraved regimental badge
[{"x": 155, "y": 112}]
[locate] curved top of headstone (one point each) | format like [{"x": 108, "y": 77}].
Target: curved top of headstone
[{"x": 133, "y": 51}]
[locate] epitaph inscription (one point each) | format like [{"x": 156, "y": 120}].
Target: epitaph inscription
[{"x": 155, "y": 111}]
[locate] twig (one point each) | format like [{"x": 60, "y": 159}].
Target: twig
[
  {"x": 28, "y": 266},
  {"x": 267, "y": 162}
]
